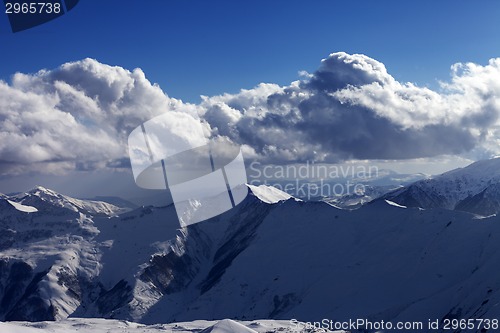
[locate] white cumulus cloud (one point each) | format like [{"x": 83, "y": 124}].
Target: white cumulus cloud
[{"x": 78, "y": 116}]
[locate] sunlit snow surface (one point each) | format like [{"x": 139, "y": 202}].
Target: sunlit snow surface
[
  {"x": 269, "y": 194},
  {"x": 119, "y": 326},
  {"x": 392, "y": 203},
  {"x": 23, "y": 208},
  {"x": 289, "y": 259}
]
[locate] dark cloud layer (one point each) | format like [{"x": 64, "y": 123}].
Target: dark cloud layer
[
  {"x": 351, "y": 108},
  {"x": 78, "y": 116}
]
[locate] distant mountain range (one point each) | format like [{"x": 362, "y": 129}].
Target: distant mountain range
[
  {"x": 474, "y": 189},
  {"x": 271, "y": 257},
  {"x": 341, "y": 190}
]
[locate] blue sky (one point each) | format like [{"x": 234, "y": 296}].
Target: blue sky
[{"x": 210, "y": 47}]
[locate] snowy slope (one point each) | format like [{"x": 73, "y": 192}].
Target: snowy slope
[
  {"x": 47, "y": 254},
  {"x": 381, "y": 261},
  {"x": 269, "y": 194},
  {"x": 461, "y": 189},
  {"x": 22, "y": 208},
  {"x": 394, "y": 204},
  {"x": 115, "y": 326},
  {"x": 280, "y": 260},
  {"x": 226, "y": 326},
  {"x": 44, "y": 197}
]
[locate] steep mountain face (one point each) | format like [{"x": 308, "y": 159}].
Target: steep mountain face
[
  {"x": 44, "y": 253},
  {"x": 475, "y": 189},
  {"x": 486, "y": 202},
  {"x": 270, "y": 257},
  {"x": 61, "y": 256}
]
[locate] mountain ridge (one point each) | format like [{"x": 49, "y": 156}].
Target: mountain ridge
[
  {"x": 42, "y": 196},
  {"x": 459, "y": 189},
  {"x": 281, "y": 260}
]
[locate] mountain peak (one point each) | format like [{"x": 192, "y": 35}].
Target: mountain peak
[
  {"x": 42, "y": 191},
  {"x": 42, "y": 198},
  {"x": 269, "y": 194},
  {"x": 40, "y": 188}
]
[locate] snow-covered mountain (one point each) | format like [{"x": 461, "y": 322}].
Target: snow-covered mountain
[
  {"x": 45, "y": 239},
  {"x": 475, "y": 189},
  {"x": 42, "y": 197},
  {"x": 271, "y": 257}
]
